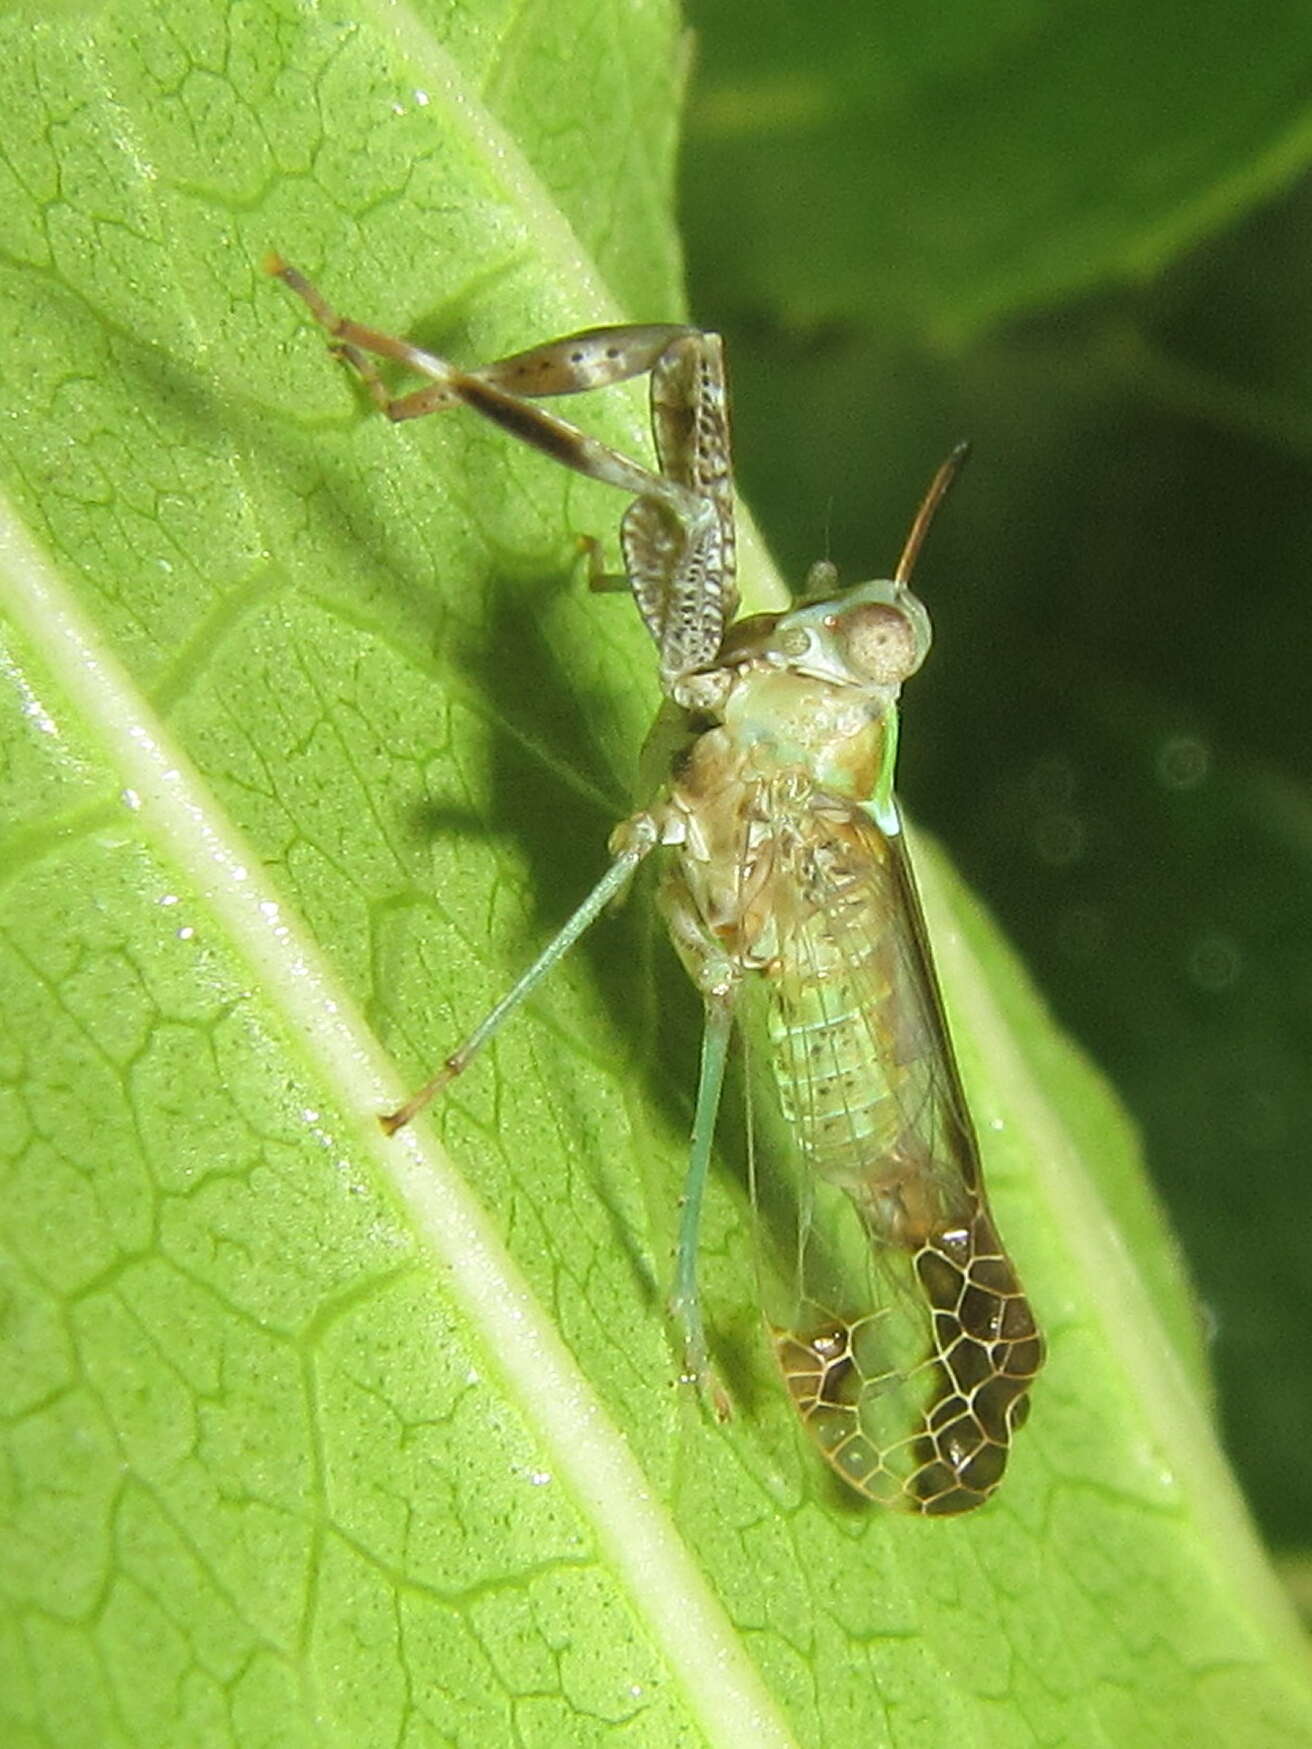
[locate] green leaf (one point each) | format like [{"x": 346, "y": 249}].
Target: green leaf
[
  {"x": 936, "y": 172},
  {"x": 311, "y": 734}
]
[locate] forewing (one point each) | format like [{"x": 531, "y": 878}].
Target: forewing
[{"x": 901, "y": 1328}]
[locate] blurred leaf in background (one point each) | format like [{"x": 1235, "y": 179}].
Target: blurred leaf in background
[{"x": 1080, "y": 237}]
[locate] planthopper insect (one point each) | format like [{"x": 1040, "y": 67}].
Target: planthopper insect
[{"x": 898, "y": 1321}]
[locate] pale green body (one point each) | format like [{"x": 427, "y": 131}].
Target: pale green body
[
  {"x": 790, "y": 867},
  {"x": 901, "y": 1328},
  {"x": 897, "y": 1319}
]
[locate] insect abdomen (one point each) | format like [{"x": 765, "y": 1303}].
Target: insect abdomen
[{"x": 844, "y": 1082}]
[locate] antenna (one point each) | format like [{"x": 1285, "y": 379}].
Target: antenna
[{"x": 939, "y": 487}]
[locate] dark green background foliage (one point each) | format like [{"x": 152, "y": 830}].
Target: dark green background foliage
[{"x": 1087, "y": 248}]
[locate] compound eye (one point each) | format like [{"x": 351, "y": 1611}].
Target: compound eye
[{"x": 880, "y": 642}]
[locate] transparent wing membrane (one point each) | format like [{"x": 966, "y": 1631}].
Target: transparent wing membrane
[{"x": 900, "y": 1326}]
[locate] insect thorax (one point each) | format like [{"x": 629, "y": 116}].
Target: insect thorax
[{"x": 765, "y": 804}]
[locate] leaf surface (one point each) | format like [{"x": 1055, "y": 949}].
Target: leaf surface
[{"x": 311, "y": 734}]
